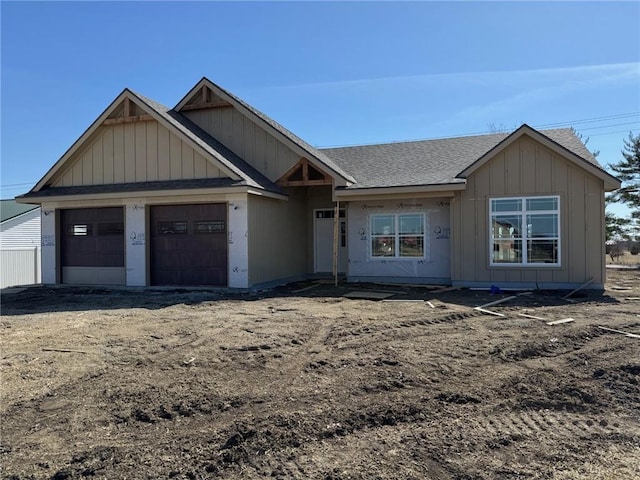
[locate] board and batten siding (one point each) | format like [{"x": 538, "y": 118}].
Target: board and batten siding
[
  {"x": 20, "y": 250},
  {"x": 135, "y": 152},
  {"x": 527, "y": 168},
  {"x": 277, "y": 237},
  {"x": 246, "y": 139}
]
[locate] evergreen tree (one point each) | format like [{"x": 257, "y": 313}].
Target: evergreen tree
[{"x": 628, "y": 171}]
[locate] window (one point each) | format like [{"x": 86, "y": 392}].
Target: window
[
  {"x": 398, "y": 235},
  {"x": 209, "y": 226},
  {"x": 172, "y": 228},
  {"x": 82, "y": 230},
  {"x": 525, "y": 231},
  {"x": 111, "y": 228}
]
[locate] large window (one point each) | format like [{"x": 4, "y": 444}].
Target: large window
[
  {"x": 397, "y": 235},
  {"x": 525, "y": 231}
]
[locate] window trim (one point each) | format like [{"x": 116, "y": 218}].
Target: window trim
[
  {"x": 397, "y": 236},
  {"x": 524, "y": 239}
]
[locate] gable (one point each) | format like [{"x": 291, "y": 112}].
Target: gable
[
  {"x": 138, "y": 151},
  {"x": 528, "y": 167},
  {"x": 263, "y": 143},
  {"x": 246, "y": 139},
  {"x": 583, "y": 159}
]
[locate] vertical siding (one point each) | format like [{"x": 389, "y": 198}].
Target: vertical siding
[
  {"x": 529, "y": 168},
  {"x": 278, "y": 238},
  {"x": 135, "y": 152},
  {"x": 246, "y": 139}
]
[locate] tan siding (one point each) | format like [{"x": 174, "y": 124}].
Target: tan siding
[
  {"x": 140, "y": 133},
  {"x": 129, "y": 153},
  {"x": 96, "y": 153},
  {"x": 529, "y": 168},
  {"x": 152, "y": 158},
  {"x": 164, "y": 156},
  {"x": 246, "y": 139},
  {"x": 278, "y": 245},
  {"x": 175, "y": 153},
  {"x": 187, "y": 161},
  {"x": 118, "y": 154},
  {"x": 107, "y": 150},
  {"x": 200, "y": 166},
  {"x": 135, "y": 152}
]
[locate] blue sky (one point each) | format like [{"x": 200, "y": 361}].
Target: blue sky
[{"x": 335, "y": 73}]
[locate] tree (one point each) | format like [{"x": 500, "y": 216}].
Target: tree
[{"x": 628, "y": 171}]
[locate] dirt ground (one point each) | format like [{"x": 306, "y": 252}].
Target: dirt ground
[{"x": 122, "y": 384}]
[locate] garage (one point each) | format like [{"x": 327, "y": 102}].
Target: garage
[
  {"x": 92, "y": 246},
  {"x": 189, "y": 244}
]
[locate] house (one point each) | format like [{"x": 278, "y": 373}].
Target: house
[
  {"x": 19, "y": 244},
  {"x": 214, "y": 192}
]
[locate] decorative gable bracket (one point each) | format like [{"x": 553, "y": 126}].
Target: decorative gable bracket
[
  {"x": 303, "y": 174},
  {"x": 127, "y": 112},
  {"x": 204, "y": 98}
]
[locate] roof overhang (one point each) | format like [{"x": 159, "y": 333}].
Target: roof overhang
[
  {"x": 111, "y": 194},
  {"x": 610, "y": 182},
  {"x": 411, "y": 191}
]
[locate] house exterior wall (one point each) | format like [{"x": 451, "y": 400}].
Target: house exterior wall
[
  {"x": 134, "y": 152},
  {"x": 136, "y": 250},
  {"x": 49, "y": 256},
  {"x": 20, "y": 250},
  {"x": 278, "y": 237},
  {"x": 246, "y": 139},
  {"x": 137, "y": 239},
  {"x": 434, "y": 267},
  {"x": 527, "y": 168}
]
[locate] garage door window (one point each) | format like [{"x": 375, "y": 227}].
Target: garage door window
[
  {"x": 172, "y": 228},
  {"x": 209, "y": 226},
  {"x": 79, "y": 230}
]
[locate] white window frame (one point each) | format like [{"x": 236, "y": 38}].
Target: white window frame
[
  {"x": 397, "y": 236},
  {"x": 523, "y": 212}
]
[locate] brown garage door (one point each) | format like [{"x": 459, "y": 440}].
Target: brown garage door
[
  {"x": 92, "y": 245},
  {"x": 189, "y": 244}
]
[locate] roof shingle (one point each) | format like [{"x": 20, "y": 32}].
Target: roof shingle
[{"x": 430, "y": 162}]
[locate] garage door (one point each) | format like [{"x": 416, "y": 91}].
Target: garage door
[
  {"x": 189, "y": 244},
  {"x": 92, "y": 246}
]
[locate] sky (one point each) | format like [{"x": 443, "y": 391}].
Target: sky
[{"x": 334, "y": 73}]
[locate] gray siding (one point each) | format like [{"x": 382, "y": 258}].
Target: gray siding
[
  {"x": 246, "y": 139},
  {"x": 528, "y": 168}
]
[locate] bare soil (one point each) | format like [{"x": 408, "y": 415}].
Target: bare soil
[{"x": 184, "y": 384}]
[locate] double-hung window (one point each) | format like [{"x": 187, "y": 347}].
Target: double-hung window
[
  {"x": 399, "y": 235},
  {"x": 525, "y": 231}
]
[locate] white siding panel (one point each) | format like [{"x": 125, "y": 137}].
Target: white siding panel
[
  {"x": 20, "y": 267},
  {"x": 20, "y": 250}
]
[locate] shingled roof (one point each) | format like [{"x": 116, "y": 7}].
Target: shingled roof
[
  {"x": 244, "y": 170},
  {"x": 431, "y": 162}
]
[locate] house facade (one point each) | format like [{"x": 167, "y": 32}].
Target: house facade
[{"x": 214, "y": 192}]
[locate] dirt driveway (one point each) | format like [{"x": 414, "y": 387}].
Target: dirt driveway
[{"x": 282, "y": 384}]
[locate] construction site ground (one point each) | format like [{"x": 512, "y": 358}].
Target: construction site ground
[{"x": 301, "y": 382}]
